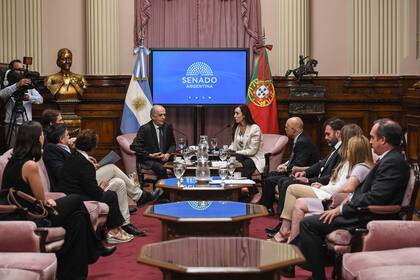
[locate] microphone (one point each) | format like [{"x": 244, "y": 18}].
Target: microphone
[
  {"x": 182, "y": 133},
  {"x": 221, "y": 130}
]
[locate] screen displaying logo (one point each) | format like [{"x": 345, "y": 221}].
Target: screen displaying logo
[{"x": 199, "y": 75}]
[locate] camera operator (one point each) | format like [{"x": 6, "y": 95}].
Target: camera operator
[{"x": 27, "y": 97}]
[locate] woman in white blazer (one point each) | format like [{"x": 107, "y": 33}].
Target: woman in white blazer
[{"x": 247, "y": 142}]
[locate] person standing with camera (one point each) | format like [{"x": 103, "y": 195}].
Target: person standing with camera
[{"x": 18, "y": 101}]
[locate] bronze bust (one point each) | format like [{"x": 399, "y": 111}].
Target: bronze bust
[{"x": 65, "y": 85}]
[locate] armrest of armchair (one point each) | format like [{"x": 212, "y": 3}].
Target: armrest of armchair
[
  {"x": 54, "y": 195},
  {"x": 381, "y": 209},
  {"x": 124, "y": 142},
  {"x": 267, "y": 164},
  {"x": 386, "y": 235},
  {"x": 19, "y": 236}
]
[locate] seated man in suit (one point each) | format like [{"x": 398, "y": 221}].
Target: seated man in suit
[
  {"x": 304, "y": 153},
  {"x": 384, "y": 185},
  {"x": 155, "y": 142}
]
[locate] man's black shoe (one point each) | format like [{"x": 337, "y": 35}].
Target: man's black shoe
[
  {"x": 270, "y": 234},
  {"x": 273, "y": 230},
  {"x": 147, "y": 197},
  {"x": 163, "y": 200},
  {"x": 105, "y": 251},
  {"x": 288, "y": 271},
  {"x": 132, "y": 210},
  {"x": 130, "y": 229}
]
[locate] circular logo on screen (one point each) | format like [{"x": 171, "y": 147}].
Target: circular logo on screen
[
  {"x": 199, "y": 68},
  {"x": 200, "y": 205},
  {"x": 261, "y": 93},
  {"x": 199, "y": 75}
]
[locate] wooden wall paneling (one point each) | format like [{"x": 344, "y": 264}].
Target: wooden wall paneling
[{"x": 355, "y": 99}]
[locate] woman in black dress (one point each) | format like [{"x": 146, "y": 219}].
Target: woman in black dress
[{"x": 81, "y": 246}]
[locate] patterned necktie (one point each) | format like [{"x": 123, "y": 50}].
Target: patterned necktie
[{"x": 161, "y": 144}]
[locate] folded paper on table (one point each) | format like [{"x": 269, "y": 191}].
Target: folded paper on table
[
  {"x": 234, "y": 182},
  {"x": 218, "y": 164},
  {"x": 111, "y": 158}
]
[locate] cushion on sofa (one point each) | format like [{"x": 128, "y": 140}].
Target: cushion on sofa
[{"x": 356, "y": 262}]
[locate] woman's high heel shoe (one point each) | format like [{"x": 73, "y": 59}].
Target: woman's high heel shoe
[{"x": 280, "y": 237}]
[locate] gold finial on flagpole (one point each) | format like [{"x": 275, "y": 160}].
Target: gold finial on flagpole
[{"x": 263, "y": 37}]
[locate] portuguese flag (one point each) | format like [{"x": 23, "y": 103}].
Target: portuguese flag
[{"x": 261, "y": 97}]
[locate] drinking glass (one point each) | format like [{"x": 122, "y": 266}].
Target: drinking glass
[
  {"x": 223, "y": 154},
  {"x": 182, "y": 143},
  {"x": 187, "y": 153},
  {"x": 223, "y": 172},
  {"x": 213, "y": 143},
  {"x": 179, "y": 169},
  {"x": 203, "y": 140},
  {"x": 231, "y": 168}
]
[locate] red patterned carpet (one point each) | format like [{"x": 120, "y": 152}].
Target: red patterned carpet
[{"x": 122, "y": 264}]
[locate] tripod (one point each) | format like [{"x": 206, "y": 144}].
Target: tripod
[{"x": 18, "y": 110}]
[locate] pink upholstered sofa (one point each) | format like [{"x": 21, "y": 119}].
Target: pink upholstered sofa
[
  {"x": 98, "y": 211},
  {"x": 391, "y": 250}
]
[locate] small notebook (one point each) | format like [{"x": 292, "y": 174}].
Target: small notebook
[{"x": 111, "y": 158}]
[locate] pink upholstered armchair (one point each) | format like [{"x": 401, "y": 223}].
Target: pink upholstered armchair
[
  {"x": 343, "y": 241},
  {"x": 391, "y": 250},
  {"x": 274, "y": 146},
  {"x": 128, "y": 156},
  {"x": 129, "y": 159}
]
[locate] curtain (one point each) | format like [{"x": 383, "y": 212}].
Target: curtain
[{"x": 199, "y": 24}]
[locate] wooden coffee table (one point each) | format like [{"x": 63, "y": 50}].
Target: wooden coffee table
[
  {"x": 190, "y": 190},
  {"x": 205, "y": 218},
  {"x": 232, "y": 258}
]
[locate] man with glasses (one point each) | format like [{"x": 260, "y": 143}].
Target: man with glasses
[{"x": 30, "y": 97}]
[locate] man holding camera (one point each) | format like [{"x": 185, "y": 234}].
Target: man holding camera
[{"x": 18, "y": 94}]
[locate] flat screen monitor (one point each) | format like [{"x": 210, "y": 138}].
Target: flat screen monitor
[{"x": 199, "y": 76}]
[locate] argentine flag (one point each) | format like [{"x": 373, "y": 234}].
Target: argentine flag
[{"x": 138, "y": 100}]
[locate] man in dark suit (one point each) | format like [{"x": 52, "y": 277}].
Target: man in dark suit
[
  {"x": 304, "y": 153},
  {"x": 321, "y": 171},
  {"x": 155, "y": 142},
  {"x": 384, "y": 185}
]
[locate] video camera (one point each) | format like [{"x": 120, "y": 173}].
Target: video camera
[{"x": 15, "y": 76}]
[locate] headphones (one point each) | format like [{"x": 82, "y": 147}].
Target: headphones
[{"x": 6, "y": 82}]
